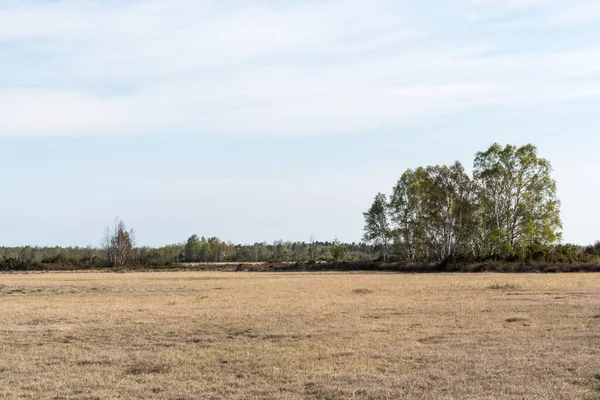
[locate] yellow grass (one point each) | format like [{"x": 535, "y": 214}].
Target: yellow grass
[{"x": 208, "y": 335}]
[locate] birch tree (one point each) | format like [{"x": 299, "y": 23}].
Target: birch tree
[
  {"x": 377, "y": 227},
  {"x": 118, "y": 244},
  {"x": 517, "y": 198},
  {"x": 447, "y": 195},
  {"x": 433, "y": 210},
  {"x": 406, "y": 210}
]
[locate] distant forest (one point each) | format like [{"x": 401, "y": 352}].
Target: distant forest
[
  {"x": 196, "y": 249},
  {"x": 508, "y": 211}
]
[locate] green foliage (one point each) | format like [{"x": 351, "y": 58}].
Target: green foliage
[
  {"x": 517, "y": 200},
  {"x": 337, "y": 251},
  {"x": 206, "y": 250},
  {"x": 434, "y": 212},
  {"x": 405, "y": 208},
  {"x": 593, "y": 250},
  {"x": 377, "y": 228},
  {"x": 209, "y": 250},
  {"x": 193, "y": 249},
  {"x": 509, "y": 211}
]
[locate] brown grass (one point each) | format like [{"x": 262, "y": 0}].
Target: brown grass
[
  {"x": 503, "y": 286},
  {"x": 212, "y": 335}
]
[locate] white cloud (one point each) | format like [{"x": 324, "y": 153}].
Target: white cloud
[
  {"x": 50, "y": 112},
  {"x": 116, "y": 67}
]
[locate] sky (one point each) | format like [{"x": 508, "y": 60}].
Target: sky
[{"x": 267, "y": 120}]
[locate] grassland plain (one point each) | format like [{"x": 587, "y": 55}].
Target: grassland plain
[{"x": 223, "y": 335}]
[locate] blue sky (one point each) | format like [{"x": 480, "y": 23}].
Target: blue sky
[{"x": 265, "y": 120}]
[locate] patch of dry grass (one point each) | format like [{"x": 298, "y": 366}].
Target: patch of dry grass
[
  {"x": 191, "y": 335},
  {"x": 503, "y": 286}
]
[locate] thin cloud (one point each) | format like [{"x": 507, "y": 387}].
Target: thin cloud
[{"x": 122, "y": 67}]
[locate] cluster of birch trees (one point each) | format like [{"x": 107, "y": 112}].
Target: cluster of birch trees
[{"x": 507, "y": 210}]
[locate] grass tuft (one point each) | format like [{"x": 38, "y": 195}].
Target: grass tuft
[
  {"x": 88, "y": 363},
  {"x": 503, "y": 286},
  {"x": 147, "y": 368},
  {"x": 362, "y": 291},
  {"x": 515, "y": 319}
]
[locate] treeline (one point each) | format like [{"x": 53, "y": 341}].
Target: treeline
[
  {"x": 198, "y": 249},
  {"x": 41, "y": 258},
  {"x": 507, "y": 211},
  {"x": 195, "y": 250},
  {"x": 352, "y": 254},
  {"x": 118, "y": 250}
]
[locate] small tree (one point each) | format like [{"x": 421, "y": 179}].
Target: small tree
[
  {"x": 338, "y": 251},
  {"x": 377, "y": 228},
  {"x": 118, "y": 244},
  {"x": 193, "y": 249}
]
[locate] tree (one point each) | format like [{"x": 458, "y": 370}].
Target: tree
[
  {"x": 300, "y": 252},
  {"x": 118, "y": 244},
  {"x": 509, "y": 210},
  {"x": 377, "y": 228},
  {"x": 193, "y": 248},
  {"x": 214, "y": 249},
  {"x": 433, "y": 210},
  {"x": 448, "y": 207},
  {"x": 338, "y": 251},
  {"x": 406, "y": 211},
  {"x": 518, "y": 200}
]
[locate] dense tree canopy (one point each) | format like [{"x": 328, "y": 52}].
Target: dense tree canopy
[
  {"x": 439, "y": 213},
  {"x": 433, "y": 212},
  {"x": 517, "y": 197}
]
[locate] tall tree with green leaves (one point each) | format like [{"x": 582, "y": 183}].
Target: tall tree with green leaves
[
  {"x": 193, "y": 249},
  {"x": 377, "y": 227},
  {"x": 406, "y": 211},
  {"x": 433, "y": 210},
  {"x": 518, "y": 201},
  {"x": 448, "y": 208}
]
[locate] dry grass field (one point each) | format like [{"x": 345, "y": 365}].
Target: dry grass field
[{"x": 210, "y": 335}]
